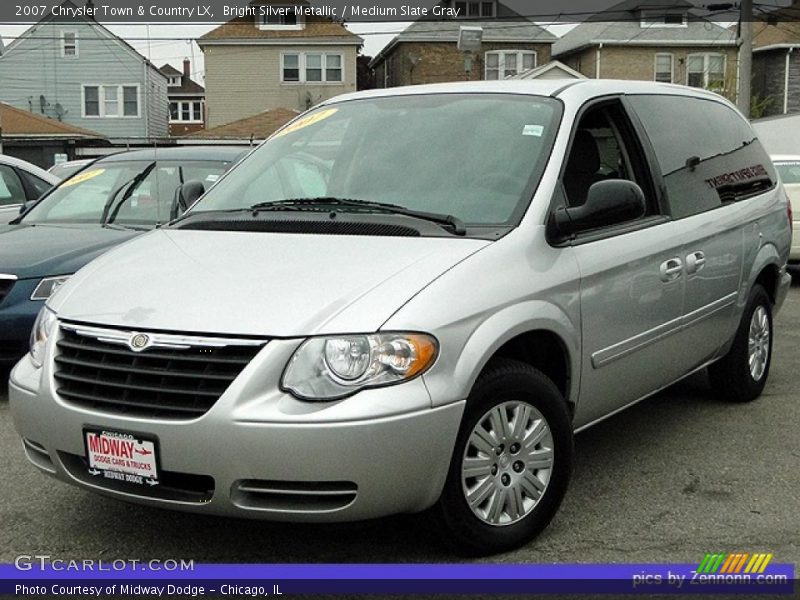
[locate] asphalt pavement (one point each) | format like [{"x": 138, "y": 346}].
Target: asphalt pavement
[{"x": 674, "y": 477}]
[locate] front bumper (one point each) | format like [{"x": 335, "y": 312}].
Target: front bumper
[{"x": 263, "y": 455}]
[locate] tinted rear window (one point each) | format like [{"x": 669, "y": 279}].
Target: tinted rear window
[{"x": 707, "y": 152}]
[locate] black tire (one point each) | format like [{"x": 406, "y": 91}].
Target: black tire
[
  {"x": 506, "y": 381},
  {"x": 731, "y": 377}
]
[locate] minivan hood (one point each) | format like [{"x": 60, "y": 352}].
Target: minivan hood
[
  {"x": 274, "y": 285},
  {"x": 33, "y": 251}
]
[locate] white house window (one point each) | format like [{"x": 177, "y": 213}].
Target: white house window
[
  {"x": 706, "y": 71},
  {"x": 291, "y": 67},
  {"x": 130, "y": 101},
  {"x": 312, "y": 67},
  {"x": 279, "y": 17},
  {"x": 69, "y": 44},
  {"x": 664, "y": 68},
  {"x": 174, "y": 81},
  {"x": 91, "y": 101},
  {"x": 476, "y": 9},
  {"x": 506, "y": 63},
  {"x": 110, "y": 101},
  {"x": 670, "y": 19},
  {"x": 186, "y": 111}
]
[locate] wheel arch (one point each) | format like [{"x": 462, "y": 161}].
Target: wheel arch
[
  {"x": 548, "y": 341},
  {"x": 765, "y": 271}
]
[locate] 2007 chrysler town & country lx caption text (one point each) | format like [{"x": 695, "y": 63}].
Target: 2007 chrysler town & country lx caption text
[{"x": 412, "y": 298}]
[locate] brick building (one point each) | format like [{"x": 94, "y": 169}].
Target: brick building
[
  {"x": 426, "y": 52},
  {"x": 187, "y": 100}
]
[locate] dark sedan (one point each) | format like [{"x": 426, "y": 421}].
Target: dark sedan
[{"x": 105, "y": 204}]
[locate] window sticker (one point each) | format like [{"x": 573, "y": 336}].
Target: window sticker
[
  {"x": 535, "y": 130},
  {"x": 306, "y": 122},
  {"x": 81, "y": 177}
]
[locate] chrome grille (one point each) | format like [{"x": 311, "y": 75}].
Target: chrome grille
[{"x": 176, "y": 377}]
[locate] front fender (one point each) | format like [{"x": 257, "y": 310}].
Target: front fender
[{"x": 453, "y": 378}]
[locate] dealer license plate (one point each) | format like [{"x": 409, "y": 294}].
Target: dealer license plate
[{"x": 121, "y": 456}]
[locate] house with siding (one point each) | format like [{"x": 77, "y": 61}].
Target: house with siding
[
  {"x": 187, "y": 100},
  {"x": 427, "y": 52},
  {"x": 653, "y": 41},
  {"x": 76, "y": 71},
  {"x": 278, "y": 59}
]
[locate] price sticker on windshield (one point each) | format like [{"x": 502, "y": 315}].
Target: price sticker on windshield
[
  {"x": 81, "y": 177},
  {"x": 306, "y": 122}
]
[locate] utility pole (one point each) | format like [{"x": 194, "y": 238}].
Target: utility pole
[{"x": 745, "y": 56}]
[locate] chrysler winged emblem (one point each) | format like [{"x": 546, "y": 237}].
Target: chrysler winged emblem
[{"x": 138, "y": 342}]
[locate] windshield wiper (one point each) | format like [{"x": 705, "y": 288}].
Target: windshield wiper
[
  {"x": 129, "y": 187},
  {"x": 325, "y": 201}
]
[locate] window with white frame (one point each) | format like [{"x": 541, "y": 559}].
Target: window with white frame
[
  {"x": 186, "y": 111},
  {"x": 110, "y": 101},
  {"x": 664, "y": 68},
  {"x": 279, "y": 17},
  {"x": 312, "y": 67},
  {"x": 505, "y": 63},
  {"x": 669, "y": 19},
  {"x": 476, "y": 10},
  {"x": 174, "y": 81},
  {"x": 69, "y": 44},
  {"x": 706, "y": 71}
]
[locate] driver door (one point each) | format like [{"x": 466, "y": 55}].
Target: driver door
[{"x": 632, "y": 283}]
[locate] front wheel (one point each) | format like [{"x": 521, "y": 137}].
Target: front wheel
[
  {"x": 511, "y": 463},
  {"x": 740, "y": 375}
]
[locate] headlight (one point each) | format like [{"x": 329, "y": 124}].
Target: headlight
[
  {"x": 42, "y": 329},
  {"x": 334, "y": 367},
  {"x": 47, "y": 287}
]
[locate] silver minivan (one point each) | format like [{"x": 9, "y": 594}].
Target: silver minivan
[{"x": 413, "y": 298}]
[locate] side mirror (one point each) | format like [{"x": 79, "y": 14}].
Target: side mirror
[
  {"x": 608, "y": 203},
  {"x": 185, "y": 196}
]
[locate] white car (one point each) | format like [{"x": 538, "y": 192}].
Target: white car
[
  {"x": 788, "y": 167},
  {"x": 20, "y": 182},
  {"x": 68, "y": 169}
]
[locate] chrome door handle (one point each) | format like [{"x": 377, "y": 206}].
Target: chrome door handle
[
  {"x": 695, "y": 261},
  {"x": 671, "y": 269}
]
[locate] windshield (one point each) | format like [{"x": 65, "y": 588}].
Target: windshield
[
  {"x": 789, "y": 171},
  {"x": 85, "y": 197},
  {"x": 477, "y": 157}
]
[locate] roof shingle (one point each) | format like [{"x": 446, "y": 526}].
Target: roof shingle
[
  {"x": 257, "y": 127},
  {"x": 627, "y": 29},
  {"x": 17, "y": 122}
]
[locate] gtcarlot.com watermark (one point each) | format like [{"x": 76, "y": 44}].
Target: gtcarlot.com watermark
[{"x": 46, "y": 562}]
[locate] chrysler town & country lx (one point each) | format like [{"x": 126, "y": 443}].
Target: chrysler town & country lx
[{"x": 413, "y": 298}]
